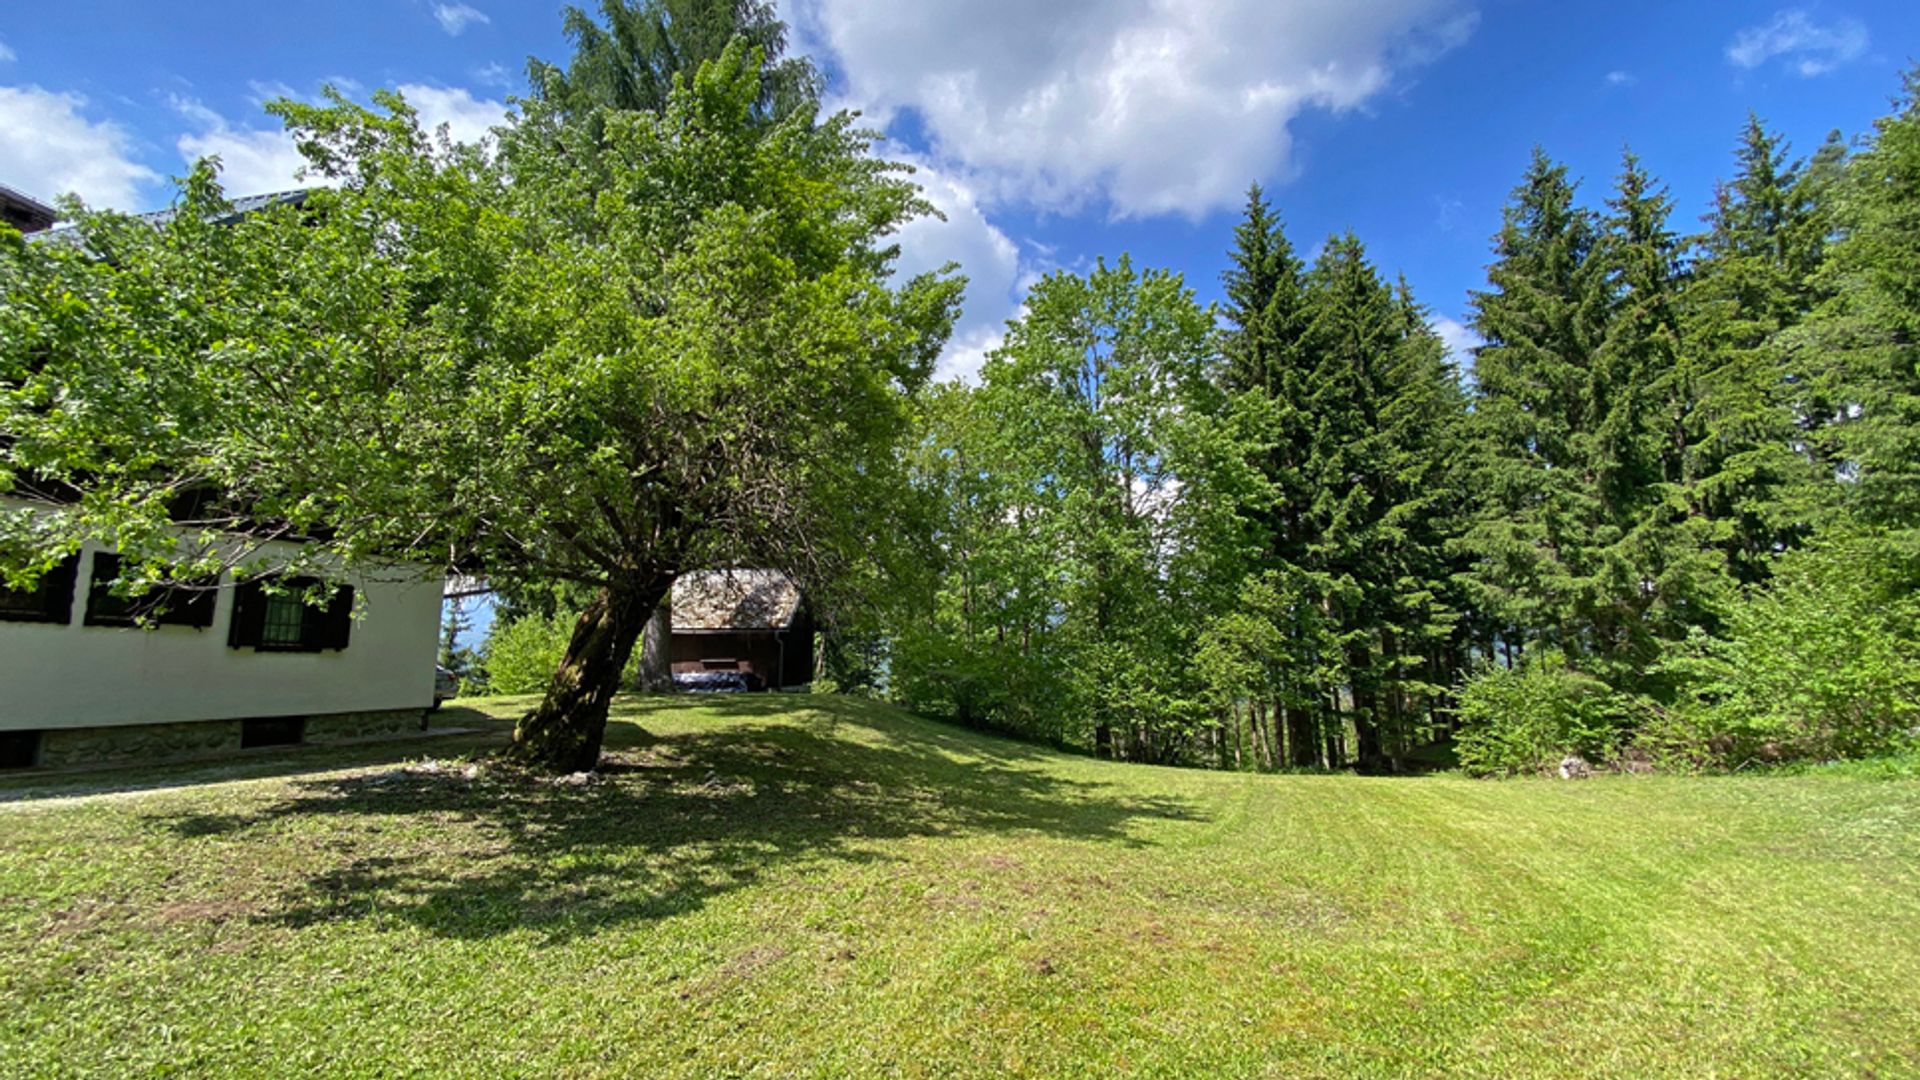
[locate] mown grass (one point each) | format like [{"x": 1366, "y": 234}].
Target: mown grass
[{"x": 818, "y": 886}]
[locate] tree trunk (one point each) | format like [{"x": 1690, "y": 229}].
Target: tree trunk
[
  {"x": 1336, "y": 738},
  {"x": 656, "y": 661},
  {"x": 1366, "y": 709},
  {"x": 563, "y": 734},
  {"x": 1304, "y": 747}
]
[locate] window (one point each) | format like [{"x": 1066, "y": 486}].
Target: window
[
  {"x": 188, "y": 605},
  {"x": 19, "y": 749},
  {"x": 282, "y": 621},
  {"x": 272, "y": 731},
  {"x": 49, "y": 602}
]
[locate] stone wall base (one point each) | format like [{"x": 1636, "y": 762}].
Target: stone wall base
[
  {"x": 339, "y": 727},
  {"x": 66, "y": 747}
]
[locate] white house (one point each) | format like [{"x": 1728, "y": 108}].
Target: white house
[
  {"x": 227, "y": 668},
  {"x": 232, "y": 667}
]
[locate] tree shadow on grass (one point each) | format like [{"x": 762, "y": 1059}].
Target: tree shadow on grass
[{"x": 668, "y": 823}]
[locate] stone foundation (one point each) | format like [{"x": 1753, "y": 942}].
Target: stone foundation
[
  {"x": 61, "y": 747},
  {"x": 339, "y": 727},
  {"x": 67, "y": 747}
]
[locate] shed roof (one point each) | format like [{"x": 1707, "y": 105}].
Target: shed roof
[{"x": 709, "y": 601}]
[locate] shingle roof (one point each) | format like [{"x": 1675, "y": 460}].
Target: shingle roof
[{"x": 716, "y": 600}]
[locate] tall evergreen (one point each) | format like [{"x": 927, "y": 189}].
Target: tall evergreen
[
  {"x": 1759, "y": 407},
  {"x": 1541, "y": 320},
  {"x": 1869, "y": 328},
  {"x": 1265, "y": 362},
  {"x": 1663, "y": 573}
]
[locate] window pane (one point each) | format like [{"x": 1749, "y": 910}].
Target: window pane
[{"x": 285, "y": 623}]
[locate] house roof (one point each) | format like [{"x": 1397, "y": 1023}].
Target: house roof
[
  {"x": 242, "y": 206},
  {"x": 24, "y": 211},
  {"x": 710, "y": 601}
]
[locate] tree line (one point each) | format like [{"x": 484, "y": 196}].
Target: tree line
[
  {"x": 653, "y": 325},
  {"x": 1664, "y": 512}
]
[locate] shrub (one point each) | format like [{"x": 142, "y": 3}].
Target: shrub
[
  {"x": 1529, "y": 717},
  {"x": 1822, "y": 664},
  {"x": 521, "y": 654}
]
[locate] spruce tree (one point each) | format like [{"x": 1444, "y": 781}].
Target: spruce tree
[
  {"x": 1758, "y": 407},
  {"x": 1266, "y": 366},
  {"x": 1869, "y": 327},
  {"x": 1661, "y": 573},
  {"x": 1541, "y": 318}
]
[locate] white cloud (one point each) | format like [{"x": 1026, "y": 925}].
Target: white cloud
[
  {"x": 1809, "y": 47},
  {"x": 1460, "y": 340},
  {"x": 257, "y": 160},
  {"x": 1621, "y": 78},
  {"x": 494, "y": 74},
  {"x": 50, "y": 148},
  {"x": 986, "y": 255},
  {"x": 455, "y": 18},
  {"x": 1148, "y": 107},
  {"x": 7, "y": 54},
  {"x": 467, "y": 118},
  {"x": 253, "y": 161}
]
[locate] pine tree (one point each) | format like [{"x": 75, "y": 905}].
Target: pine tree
[
  {"x": 1663, "y": 573},
  {"x": 1869, "y": 327},
  {"x": 1266, "y": 366},
  {"x": 1542, "y": 318},
  {"x": 1756, "y": 406}
]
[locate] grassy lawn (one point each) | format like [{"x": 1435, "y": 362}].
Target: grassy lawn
[{"x": 816, "y": 886}]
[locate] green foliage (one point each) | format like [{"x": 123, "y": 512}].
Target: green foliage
[
  {"x": 629, "y": 57},
  {"x": 601, "y": 354},
  {"x": 1866, "y": 336},
  {"x": 521, "y": 654},
  {"x": 1528, "y": 718},
  {"x": 1823, "y": 663},
  {"x": 1076, "y": 480}
]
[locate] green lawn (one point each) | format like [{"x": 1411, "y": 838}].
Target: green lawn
[{"x": 817, "y": 886}]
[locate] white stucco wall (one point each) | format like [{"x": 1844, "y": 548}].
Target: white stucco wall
[{"x": 73, "y": 676}]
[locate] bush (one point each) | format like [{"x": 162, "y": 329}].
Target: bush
[
  {"x": 1528, "y": 718},
  {"x": 521, "y": 654},
  {"x": 1823, "y": 664}
]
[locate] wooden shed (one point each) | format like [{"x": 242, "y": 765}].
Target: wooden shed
[{"x": 754, "y": 622}]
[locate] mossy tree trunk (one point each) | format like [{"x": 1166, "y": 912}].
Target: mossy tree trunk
[{"x": 563, "y": 734}]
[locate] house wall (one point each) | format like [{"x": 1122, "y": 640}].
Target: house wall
[
  {"x": 757, "y": 651},
  {"x": 58, "y": 677}
]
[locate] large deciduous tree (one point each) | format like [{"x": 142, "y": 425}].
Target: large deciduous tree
[
  {"x": 629, "y": 57},
  {"x": 598, "y": 353}
]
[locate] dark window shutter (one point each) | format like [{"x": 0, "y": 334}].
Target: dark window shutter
[
  {"x": 249, "y": 616},
  {"x": 339, "y": 626},
  {"x": 194, "y": 607},
  {"x": 104, "y": 608},
  {"x": 57, "y": 587}
]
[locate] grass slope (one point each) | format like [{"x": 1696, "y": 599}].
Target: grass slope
[{"x": 774, "y": 886}]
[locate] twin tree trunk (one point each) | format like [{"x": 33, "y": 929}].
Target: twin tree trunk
[{"x": 564, "y": 733}]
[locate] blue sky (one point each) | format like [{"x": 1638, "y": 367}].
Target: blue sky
[{"x": 1050, "y": 133}]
